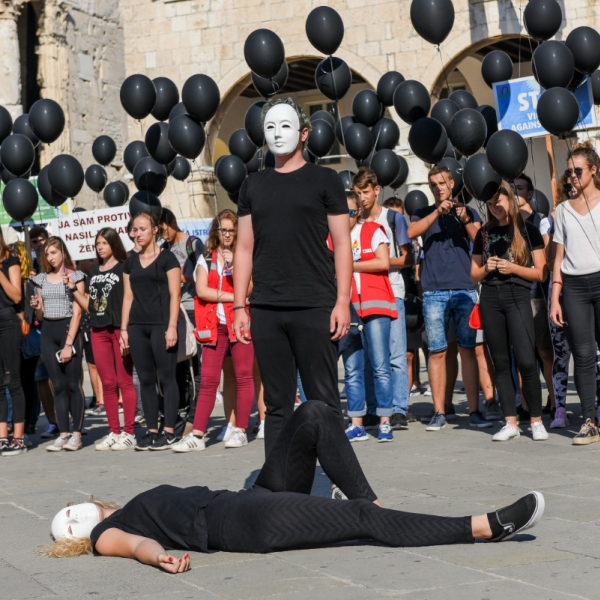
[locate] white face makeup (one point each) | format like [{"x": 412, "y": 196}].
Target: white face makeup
[
  {"x": 282, "y": 130},
  {"x": 75, "y": 521}
]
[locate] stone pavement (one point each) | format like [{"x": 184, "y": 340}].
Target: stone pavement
[{"x": 454, "y": 472}]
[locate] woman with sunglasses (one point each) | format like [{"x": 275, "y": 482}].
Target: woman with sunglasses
[
  {"x": 577, "y": 275},
  {"x": 214, "y": 323}
]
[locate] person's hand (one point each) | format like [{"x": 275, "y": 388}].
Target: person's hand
[
  {"x": 66, "y": 354},
  {"x": 35, "y": 302},
  {"x": 462, "y": 213},
  {"x": 505, "y": 266},
  {"x": 227, "y": 256},
  {"x": 174, "y": 565},
  {"x": 171, "y": 336},
  {"x": 492, "y": 263},
  {"x": 241, "y": 326},
  {"x": 556, "y": 315},
  {"x": 68, "y": 281},
  {"x": 339, "y": 323},
  {"x": 445, "y": 207},
  {"x": 124, "y": 342}
]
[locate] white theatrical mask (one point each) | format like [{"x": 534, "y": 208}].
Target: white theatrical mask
[
  {"x": 282, "y": 130},
  {"x": 75, "y": 521}
]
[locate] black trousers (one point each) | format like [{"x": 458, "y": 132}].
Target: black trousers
[
  {"x": 581, "y": 308},
  {"x": 287, "y": 340},
  {"x": 278, "y": 514},
  {"x": 10, "y": 366},
  {"x": 507, "y": 322}
]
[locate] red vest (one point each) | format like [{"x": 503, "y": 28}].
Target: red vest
[
  {"x": 205, "y": 313},
  {"x": 376, "y": 294}
]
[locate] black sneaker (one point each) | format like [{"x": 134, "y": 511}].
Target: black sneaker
[
  {"x": 146, "y": 442},
  {"x": 14, "y": 448},
  {"x": 164, "y": 441},
  {"x": 399, "y": 421},
  {"x": 3, "y": 444},
  {"x": 517, "y": 517},
  {"x": 370, "y": 421}
]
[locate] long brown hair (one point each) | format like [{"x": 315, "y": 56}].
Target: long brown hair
[
  {"x": 587, "y": 150},
  {"x": 60, "y": 244},
  {"x": 212, "y": 242},
  {"x": 518, "y": 246},
  {"x": 115, "y": 243},
  {"x": 4, "y": 249}
]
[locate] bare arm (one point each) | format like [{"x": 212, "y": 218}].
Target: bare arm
[
  {"x": 381, "y": 262},
  {"x": 67, "y": 352},
  {"x": 241, "y": 277},
  {"x": 479, "y": 271},
  {"x": 404, "y": 261},
  {"x": 81, "y": 297},
  {"x": 206, "y": 293},
  {"x": 174, "y": 282},
  {"x": 12, "y": 284},
  {"x": 339, "y": 228},
  {"x": 127, "y": 302},
  {"x": 556, "y": 315}
]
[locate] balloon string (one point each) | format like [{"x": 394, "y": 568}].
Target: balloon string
[
  {"x": 520, "y": 34},
  {"x": 337, "y": 111},
  {"x": 439, "y": 49}
]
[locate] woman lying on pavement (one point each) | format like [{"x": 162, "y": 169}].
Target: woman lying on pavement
[{"x": 277, "y": 513}]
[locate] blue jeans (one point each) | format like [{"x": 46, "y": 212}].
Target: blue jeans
[
  {"x": 400, "y": 391},
  {"x": 372, "y": 344},
  {"x": 438, "y": 306}
]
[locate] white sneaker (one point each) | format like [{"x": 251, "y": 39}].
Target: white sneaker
[
  {"x": 125, "y": 442},
  {"x": 539, "y": 431},
  {"x": 74, "y": 443},
  {"x": 237, "y": 439},
  {"x": 225, "y": 433},
  {"x": 506, "y": 433},
  {"x": 261, "y": 431},
  {"x": 189, "y": 443},
  {"x": 59, "y": 443},
  {"x": 108, "y": 442}
]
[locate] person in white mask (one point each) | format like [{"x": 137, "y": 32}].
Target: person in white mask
[{"x": 301, "y": 290}]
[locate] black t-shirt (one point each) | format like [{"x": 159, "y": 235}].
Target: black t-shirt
[
  {"x": 5, "y": 265},
  {"x": 169, "y": 515},
  {"x": 446, "y": 248},
  {"x": 292, "y": 266},
  {"x": 150, "y": 286},
  {"x": 106, "y": 295},
  {"x": 496, "y": 241}
]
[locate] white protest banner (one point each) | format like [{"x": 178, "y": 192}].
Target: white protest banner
[{"x": 197, "y": 227}]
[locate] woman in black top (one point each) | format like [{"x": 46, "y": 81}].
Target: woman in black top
[
  {"x": 149, "y": 324},
  {"x": 508, "y": 254},
  {"x": 277, "y": 513},
  {"x": 103, "y": 300}
]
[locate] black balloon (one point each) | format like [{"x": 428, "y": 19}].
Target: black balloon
[
  {"x": 241, "y": 145},
  {"x": 50, "y": 195},
  {"x": 411, "y": 101},
  {"x": 149, "y": 175},
  {"x": 386, "y": 134},
  {"x": 558, "y": 111},
  {"x": 414, "y": 200},
  {"x": 171, "y": 166},
  {"x": 432, "y": 19},
  {"x": 134, "y": 152},
  {"x": 542, "y": 18},
  {"x": 387, "y": 86},
  {"x": 496, "y": 66},
  {"x": 468, "y": 131},
  {"x": 584, "y": 44},
  {"x": 104, "y": 149},
  {"x": 452, "y": 152},
  {"x": 255, "y": 163},
  {"x": 464, "y": 99},
  {"x": 178, "y": 109},
  {"x": 359, "y": 141},
  {"x": 253, "y": 124},
  {"x": 346, "y": 177},
  {"x": 456, "y": 172},
  {"x": 264, "y": 53},
  {"x": 507, "y": 154},
  {"x": 428, "y": 140},
  {"x": 491, "y": 120},
  {"x": 443, "y": 111},
  {"x": 540, "y": 203},
  {"x": 402, "y": 174},
  {"x": 21, "y": 125},
  {"x": 233, "y": 197},
  {"x": 182, "y": 168},
  {"x": 333, "y": 78},
  {"x": 116, "y": 194},
  {"x": 366, "y": 107},
  {"x": 595, "y": 78},
  {"x": 20, "y": 199},
  {"x": 95, "y": 177},
  {"x": 321, "y": 138},
  {"x": 231, "y": 172},
  {"x": 481, "y": 181},
  {"x": 325, "y": 29},
  {"x": 186, "y": 136},
  {"x": 17, "y": 154},
  {"x": 386, "y": 164},
  {"x": 578, "y": 79},
  {"x": 270, "y": 87},
  {"x": 7, "y": 176},
  {"x": 325, "y": 115},
  {"x": 66, "y": 176},
  {"x": 306, "y": 155},
  {"x": 365, "y": 162},
  {"x": 47, "y": 120},
  {"x": 144, "y": 202},
  {"x": 157, "y": 143},
  {"x": 6, "y": 124},
  {"x": 553, "y": 64},
  {"x": 167, "y": 96},
  {"x": 138, "y": 96},
  {"x": 342, "y": 125},
  {"x": 201, "y": 97}
]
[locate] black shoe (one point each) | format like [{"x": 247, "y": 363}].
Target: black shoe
[
  {"x": 517, "y": 517},
  {"x": 30, "y": 429},
  {"x": 164, "y": 441},
  {"x": 14, "y": 448},
  {"x": 399, "y": 422},
  {"x": 522, "y": 414},
  {"x": 370, "y": 421},
  {"x": 3, "y": 444},
  {"x": 146, "y": 442}
]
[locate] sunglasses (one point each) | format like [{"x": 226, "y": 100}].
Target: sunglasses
[
  {"x": 227, "y": 231},
  {"x": 577, "y": 170},
  {"x": 352, "y": 212}
]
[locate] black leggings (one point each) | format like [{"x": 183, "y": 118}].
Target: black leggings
[
  {"x": 151, "y": 358},
  {"x": 507, "y": 322},
  {"x": 65, "y": 377},
  {"x": 278, "y": 514},
  {"x": 10, "y": 366}
]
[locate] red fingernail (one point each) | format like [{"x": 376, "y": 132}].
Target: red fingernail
[{"x": 170, "y": 559}]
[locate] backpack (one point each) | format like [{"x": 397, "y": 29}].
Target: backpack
[
  {"x": 391, "y": 219},
  {"x": 189, "y": 248}
]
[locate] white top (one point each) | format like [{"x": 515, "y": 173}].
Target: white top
[
  {"x": 580, "y": 235},
  {"x": 546, "y": 225},
  {"x": 396, "y": 278},
  {"x": 202, "y": 263},
  {"x": 378, "y": 238}
]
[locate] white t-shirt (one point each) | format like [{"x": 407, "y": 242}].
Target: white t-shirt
[
  {"x": 546, "y": 225},
  {"x": 202, "y": 263},
  {"x": 580, "y": 235},
  {"x": 396, "y": 278},
  {"x": 379, "y": 237}
]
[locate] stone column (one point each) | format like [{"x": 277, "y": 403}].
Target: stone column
[{"x": 10, "y": 62}]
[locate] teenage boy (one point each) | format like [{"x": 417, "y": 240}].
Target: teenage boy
[
  {"x": 448, "y": 230},
  {"x": 367, "y": 187},
  {"x": 298, "y": 314}
]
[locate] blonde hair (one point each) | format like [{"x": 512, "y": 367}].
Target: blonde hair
[
  {"x": 70, "y": 547},
  {"x": 20, "y": 251}
]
